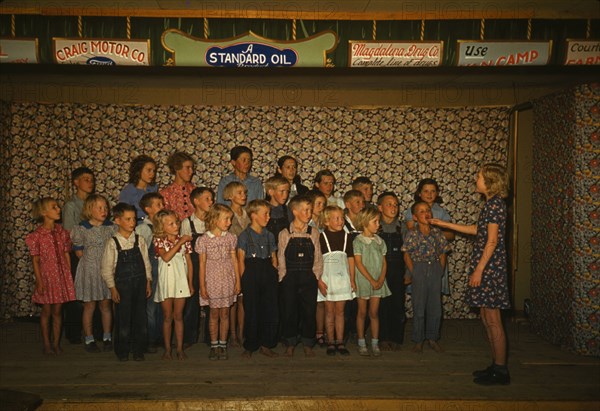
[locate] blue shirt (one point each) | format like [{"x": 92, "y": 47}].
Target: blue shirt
[
  {"x": 253, "y": 184},
  {"x": 132, "y": 195},
  {"x": 257, "y": 245}
]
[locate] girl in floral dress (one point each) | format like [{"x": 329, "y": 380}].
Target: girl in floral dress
[
  {"x": 49, "y": 246},
  {"x": 174, "y": 276},
  {"x": 219, "y": 276},
  {"x": 488, "y": 283}
]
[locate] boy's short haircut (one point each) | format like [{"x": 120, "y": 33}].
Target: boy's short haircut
[
  {"x": 88, "y": 204},
  {"x": 413, "y": 207},
  {"x": 176, "y": 160},
  {"x": 255, "y": 205},
  {"x": 38, "y": 207},
  {"x": 385, "y": 194},
  {"x": 121, "y": 208},
  {"x": 361, "y": 181},
  {"x": 79, "y": 171},
  {"x": 230, "y": 188},
  {"x": 351, "y": 194},
  {"x": 237, "y": 151},
  {"x": 273, "y": 182},
  {"x": 323, "y": 173},
  {"x": 297, "y": 200},
  {"x": 198, "y": 191},
  {"x": 364, "y": 216},
  {"x": 148, "y": 198}
]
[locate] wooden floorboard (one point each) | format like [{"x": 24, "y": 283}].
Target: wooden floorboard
[{"x": 544, "y": 377}]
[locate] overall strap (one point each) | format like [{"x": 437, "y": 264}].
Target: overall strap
[
  {"x": 192, "y": 227},
  {"x": 117, "y": 243},
  {"x": 327, "y": 242}
]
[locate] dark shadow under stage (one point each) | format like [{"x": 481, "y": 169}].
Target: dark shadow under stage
[{"x": 544, "y": 377}]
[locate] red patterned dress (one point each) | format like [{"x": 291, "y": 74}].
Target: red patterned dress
[{"x": 51, "y": 246}]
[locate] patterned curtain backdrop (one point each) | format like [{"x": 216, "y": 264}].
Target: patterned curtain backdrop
[
  {"x": 565, "y": 282},
  {"x": 395, "y": 147}
]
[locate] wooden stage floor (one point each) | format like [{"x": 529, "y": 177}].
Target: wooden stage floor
[{"x": 544, "y": 377}]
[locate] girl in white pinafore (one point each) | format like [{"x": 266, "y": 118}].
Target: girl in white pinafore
[{"x": 336, "y": 285}]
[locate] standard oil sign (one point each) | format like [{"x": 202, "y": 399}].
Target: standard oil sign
[
  {"x": 102, "y": 52},
  {"x": 502, "y": 53}
]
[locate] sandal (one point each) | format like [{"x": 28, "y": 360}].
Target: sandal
[
  {"x": 321, "y": 341},
  {"x": 331, "y": 349},
  {"x": 341, "y": 348}
]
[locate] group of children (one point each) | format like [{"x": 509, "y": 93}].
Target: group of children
[{"x": 268, "y": 266}]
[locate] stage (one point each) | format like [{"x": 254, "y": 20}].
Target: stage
[{"x": 544, "y": 377}]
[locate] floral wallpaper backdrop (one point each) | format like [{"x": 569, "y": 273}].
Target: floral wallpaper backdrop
[
  {"x": 395, "y": 147},
  {"x": 565, "y": 282}
]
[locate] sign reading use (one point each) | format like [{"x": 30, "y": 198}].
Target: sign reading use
[
  {"x": 248, "y": 50},
  {"x": 19, "y": 50},
  {"x": 395, "y": 53},
  {"x": 582, "y": 52},
  {"x": 503, "y": 53},
  {"x": 102, "y": 52}
]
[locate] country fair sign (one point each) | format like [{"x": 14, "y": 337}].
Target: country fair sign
[
  {"x": 102, "y": 52},
  {"x": 395, "y": 53},
  {"x": 582, "y": 52},
  {"x": 19, "y": 50},
  {"x": 248, "y": 50},
  {"x": 503, "y": 53}
]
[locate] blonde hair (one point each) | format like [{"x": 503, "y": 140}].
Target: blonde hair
[
  {"x": 364, "y": 216},
  {"x": 214, "y": 213},
  {"x": 230, "y": 188},
  {"x": 256, "y": 205},
  {"x": 274, "y": 182},
  {"x": 39, "y": 206},
  {"x": 326, "y": 214},
  {"x": 88, "y": 205},
  {"x": 158, "y": 222},
  {"x": 495, "y": 178}
]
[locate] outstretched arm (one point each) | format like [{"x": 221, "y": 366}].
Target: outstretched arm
[{"x": 465, "y": 229}]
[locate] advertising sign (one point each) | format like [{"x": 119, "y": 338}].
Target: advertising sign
[
  {"x": 248, "y": 50},
  {"x": 15, "y": 50},
  {"x": 503, "y": 53},
  {"x": 582, "y": 52},
  {"x": 101, "y": 52},
  {"x": 395, "y": 53}
]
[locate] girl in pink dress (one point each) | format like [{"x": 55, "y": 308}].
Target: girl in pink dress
[
  {"x": 219, "y": 276},
  {"x": 49, "y": 246}
]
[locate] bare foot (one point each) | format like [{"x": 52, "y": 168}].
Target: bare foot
[
  {"x": 386, "y": 346},
  {"x": 289, "y": 351},
  {"x": 167, "y": 355},
  {"x": 418, "y": 348},
  {"x": 268, "y": 352},
  {"x": 234, "y": 342},
  {"x": 181, "y": 355},
  {"x": 308, "y": 352},
  {"x": 435, "y": 346},
  {"x": 57, "y": 350},
  {"x": 47, "y": 350},
  {"x": 247, "y": 354}
]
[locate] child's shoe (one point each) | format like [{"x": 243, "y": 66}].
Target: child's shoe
[
  {"x": 213, "y": 354},
  {"x": 363, "y": 350},
  {"x": 223, "y": 353},
  {"x": 92, "y": 347},
  {"x": 376, "y": 351},
  {"x": 107, "y": 345}
]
